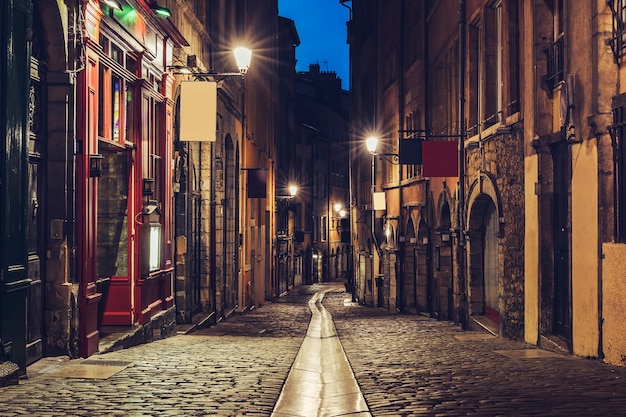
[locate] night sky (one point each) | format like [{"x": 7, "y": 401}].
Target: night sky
[{"x": 321, "y": 26}]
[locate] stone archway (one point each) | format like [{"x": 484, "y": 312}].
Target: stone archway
[
  {"x": 53, "y": 187},
  {"x": 483, "y": 260}
]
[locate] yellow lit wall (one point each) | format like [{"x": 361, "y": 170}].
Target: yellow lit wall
[
  {"x": 531, "y": 252},
  {"x": 585, "y": 332},
  {"x": 613, "y": 290}
]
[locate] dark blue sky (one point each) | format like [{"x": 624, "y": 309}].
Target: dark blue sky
[{"x": 321, "y": 25}]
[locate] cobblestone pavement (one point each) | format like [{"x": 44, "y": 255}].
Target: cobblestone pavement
[
  {"x": 406, "y": 365},
  {"x": 236, "y": 368},
  {"x": 411, "y": 365}
]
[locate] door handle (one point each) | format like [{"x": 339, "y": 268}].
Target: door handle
[{"x": 35, "y": 207}]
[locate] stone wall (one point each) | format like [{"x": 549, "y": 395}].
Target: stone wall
[{"x": 500, "y": 157}]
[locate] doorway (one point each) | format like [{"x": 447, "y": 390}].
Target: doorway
[
  {"x": 36, "y": 208},
  {"x": 561, "y": 322},
  {"x": 113, "y": 265},
  {"x": 483, "y": 262}
]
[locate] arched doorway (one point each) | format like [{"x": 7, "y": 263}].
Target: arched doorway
[
  {"x": 443, "y": 264},
  {"x": 424, "y": 279},
  {"x": 483, "y": 260},
  {"x": 231, "y": 214},
  {"x": 408, "y": 294}
]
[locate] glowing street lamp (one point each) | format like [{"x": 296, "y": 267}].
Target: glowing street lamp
[
  {"x": 242, "y": 56},
  {"x": 371, "y": 143}
]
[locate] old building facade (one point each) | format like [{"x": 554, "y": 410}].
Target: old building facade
[
  {"x": 99, "y": 238},
  {"x": 322, "y": 110},
  {"x": 224, "y": 231},
  {"x": 126, "y": 222},
  {"x": 524, "y": 239}
]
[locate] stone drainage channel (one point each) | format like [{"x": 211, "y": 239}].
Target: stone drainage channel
[{"x": 321, "y": 381}]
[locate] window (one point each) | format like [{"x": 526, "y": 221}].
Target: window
[
  {"x": 152, "y": 164},
  {"x": 473, "y": 80},
  {"x": 618, "y": 135},
  {"x": 554, "y": 53},
  {"x": 412, "y": 123},
  {"x": 555, "y": 73},
  {"x": 491, "y": 77},
  {"x": 319, "y": 185},
  {"x": 485, "y": 69},
  {"x": 323, "y": 228},
  {"x": 128, "y": 113},
  {"x": 514, "y": 51},
  {"x": 115, "y": 118},
  {"x": 116, "y": 92}
]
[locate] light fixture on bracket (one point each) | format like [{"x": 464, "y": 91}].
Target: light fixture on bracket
[
  {"x": 372, "y": 144},
  {"x": 113, "y": 4},
  {"x": 95, "y": 165},
  {"x": 242, "y": 56},
  {"x": 160, "y": 11},
  {"x": 180, "y": 68}
]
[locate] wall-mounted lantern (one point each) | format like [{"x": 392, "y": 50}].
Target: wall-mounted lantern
[
  {"x": 148, "y": 187},
  {"x": 114, "y": 4},
  {"x": 160, "y": 11},
  {"x": 293, "y": 190},
  {"x": 95, "y": 165},
  {"x": 151, "y": 242}
]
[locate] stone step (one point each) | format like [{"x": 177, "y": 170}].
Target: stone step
[{"x": 9, "y": 374}]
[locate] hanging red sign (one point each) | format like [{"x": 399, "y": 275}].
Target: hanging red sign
[{"x": 440, "y": 158}]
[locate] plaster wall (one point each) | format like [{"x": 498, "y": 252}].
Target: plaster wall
[
  {"x": 531, "y": 177},
  {"x": 585, "y": 331},
  {"x": 586, "y": 92},
  {"x": 531, "y": 252},
  {"x": 613, "y": 289}
]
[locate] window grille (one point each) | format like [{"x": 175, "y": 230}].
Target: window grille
[
  {"x": 556, "y": 70},
  {"x": 618, "y": 41}
]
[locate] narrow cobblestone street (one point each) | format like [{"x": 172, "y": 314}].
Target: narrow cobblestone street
[{"x": 405, "y": 366}]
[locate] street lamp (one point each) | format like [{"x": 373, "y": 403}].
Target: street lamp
[
  {"x": 340, "y": 212},
  {"x": 372, "y": 143},
  {"x": 242, "y": 56},
  {"x": 293, "y": 189}
]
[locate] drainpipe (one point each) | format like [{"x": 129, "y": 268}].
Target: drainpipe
[
  {"x": 351, "y": 257},
  {"x": 401, "y": 110},
  {"x": 537, "y": 145},
  {"x": 212, "y": 237},
  {"x": 426, "y": 128},
  {"x": 461, "y": 203}
]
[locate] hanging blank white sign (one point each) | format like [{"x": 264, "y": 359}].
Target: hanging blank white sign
[
  {"x": 379, "y": 201},
  {"x": 198, "y": 111}
]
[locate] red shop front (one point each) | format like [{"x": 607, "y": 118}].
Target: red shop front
[{"x": 123, "y": 159}]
